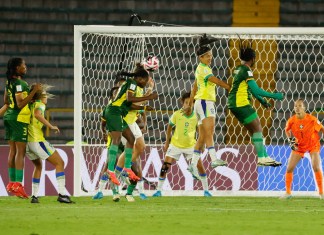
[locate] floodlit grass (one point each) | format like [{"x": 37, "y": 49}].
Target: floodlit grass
[{"x": 166, "y": 215}]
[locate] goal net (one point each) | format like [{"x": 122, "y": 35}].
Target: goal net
[{"x": 289, "y": 60}]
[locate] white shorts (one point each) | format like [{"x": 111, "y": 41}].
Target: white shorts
[
  {"x": 135, "y": 130},
  {"x": 175, "y": 152},
  {"x": 204, "y": 109},
  {"x": 42, "y": 150}
]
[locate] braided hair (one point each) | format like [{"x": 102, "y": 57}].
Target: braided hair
[
  {"x": 12, "y": 65},
  {"x": 138, "y": 72},
  {"x": 247, "y": 53},
  {"x": 204, "y": 42}
]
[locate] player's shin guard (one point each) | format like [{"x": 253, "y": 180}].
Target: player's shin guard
[
  {"x": 60, "y": 178},
  {"x": 112, "y": 153},
  {"x": 319, "y": 181},
  {"x": 257, "y": 141},
  {"x": 204, "y": 182},
  {"x": 128, "y": 157},
  {"x": 35, "y": 186},
  {"x": 103, "y": 182},
  {"x": 160, "y": 184},
  {"x": 289, "y": 179}
]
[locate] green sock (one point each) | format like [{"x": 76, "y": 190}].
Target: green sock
[
  {"x": 19, "y": 175},
  {"x": 265, "y": 151},
  {"x": 112, "y": 157},
  {"x": 257, "y": 141},
  {"x": 130, "y": 189},
  {"x": 12, "y": 174},
  {"x": 128, "y": 157}
]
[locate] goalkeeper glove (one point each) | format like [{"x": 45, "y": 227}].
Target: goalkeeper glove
[{"x": 292, "y": 143}]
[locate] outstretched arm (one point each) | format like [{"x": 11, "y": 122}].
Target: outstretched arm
[
  {"x": 193, "y": 93},
  {"x": 257, "y": 91},
  {"x": 219, "y": 82}
]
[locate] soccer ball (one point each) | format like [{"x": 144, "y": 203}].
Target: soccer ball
[{"x": 151, "y": 63}]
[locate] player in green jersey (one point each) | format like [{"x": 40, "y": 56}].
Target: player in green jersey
[
  {"x": 184, "y": 122},
  {"x": 16, "y": 120},
  {"x": 117, "y": 126},
  {"x": 239, "y": 102},
  {"x": 204, "y": 94}
]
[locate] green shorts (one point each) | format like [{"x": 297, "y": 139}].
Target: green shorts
[
  {"x": 16, "y": 131},
  {"x": 245, "y": 114},
  {"x": 115, "y": 122}
]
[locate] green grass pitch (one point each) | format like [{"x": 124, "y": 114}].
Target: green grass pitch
[{"x": 166, "y": 215}]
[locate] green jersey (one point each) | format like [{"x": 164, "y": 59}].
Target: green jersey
[
  {"x": 17, "y": 86},
  {"x": 119, "y": 104},
  {"x": 240, "y": 94}
]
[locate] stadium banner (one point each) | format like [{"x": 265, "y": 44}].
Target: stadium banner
[{"x": 241, "y": 173}]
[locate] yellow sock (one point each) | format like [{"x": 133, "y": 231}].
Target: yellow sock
[
  {"x": 319, "y": 181},
  {"x": 289, "y": 179}
]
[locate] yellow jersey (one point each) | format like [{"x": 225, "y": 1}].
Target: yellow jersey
[
  {"x": 206, "y": 89},
  {"x": 35, "y": 132},
  {"x": 131, "y": 117},
  {"x": 184, "y": 135}
]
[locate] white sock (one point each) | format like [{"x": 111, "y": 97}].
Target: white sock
[
  {"x": 60, "y": 178},
  {"x": 35, "y": 186},
  {"x": 204, "y": 182},
  {"x": 212, "y": 153},
  {"x": 195, "y": 158},
  {"x": 140, "y": 185},
  {"x": 160, "y": 184},
  {"x": 102, "y": 182}
]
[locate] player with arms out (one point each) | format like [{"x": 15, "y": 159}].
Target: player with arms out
[
  {"x": 39, "y": 149},
  {"x": 117, "y": 126},
  {"x": 182, "y": 142},
  {"x": 239, "y": 102},
  {"x": 302, "y": 131},
  {"x": 16, "y": 120},
  {"x": 204, "y": 94}
]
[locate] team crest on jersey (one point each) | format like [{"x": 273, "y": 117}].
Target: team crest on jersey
[
  {"x": 186, "y": 124},
  {"x": 301, "y": 126}
]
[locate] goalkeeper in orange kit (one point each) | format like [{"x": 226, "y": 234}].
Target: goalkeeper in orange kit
[{"x": 302, "y": 131}]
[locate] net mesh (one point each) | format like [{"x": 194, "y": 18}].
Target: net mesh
[{"x": 292, "y": 64}]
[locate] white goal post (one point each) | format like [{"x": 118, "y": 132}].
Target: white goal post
[{"x": 289, "y": 60}]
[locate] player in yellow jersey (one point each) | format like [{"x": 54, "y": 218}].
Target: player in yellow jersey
[
  {"x": 182, "y": 143},
  {"x": 16, "y": 119},
  {"x": 204, "y": 94},
  {"x": 39, "y": 149}
]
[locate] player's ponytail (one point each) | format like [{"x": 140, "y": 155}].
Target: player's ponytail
[
  {"x": 138, "y": 72},
  {"x": 204, "y": 42},
  {"x": 246, "y": 51}
]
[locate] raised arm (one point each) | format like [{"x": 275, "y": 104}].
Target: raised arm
[
  {"x": 39, "y": 116},
  {"x": 193, "y": 92},
  {"x": 21, "y": 101},
  {"x": 257, "y": 91}
]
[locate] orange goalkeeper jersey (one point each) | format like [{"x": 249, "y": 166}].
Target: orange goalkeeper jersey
[{"x": 305, "y": 130}]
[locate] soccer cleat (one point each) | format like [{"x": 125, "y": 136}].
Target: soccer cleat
[
  {"x": 131, "y": 174},
  {"x": 157, "y": 194},
  {"x": 34, "y": 199},
  {"x": 116, "y": 197},
  {"x": 64, "y": 199},
  {"x": 130, "y": 198},
  {"x": 98, "y": 195},
  {"x": 218, "y": 162},
  {"x": 286, "y": 196},
  {"x": 9, "y": 187},
  {"x": 143, "y": 196},
  {"x": 194, "y": 171},
  {"x": 276, "y": 164},
  {"x": 113, "y": 178},
  {"x": 266, "y": 161},
  {"x": 19, "y": 190},
  {"x": 207, "y": 194}
]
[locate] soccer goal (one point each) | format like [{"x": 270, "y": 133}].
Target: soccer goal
[{"x": 289, "y": 60}]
